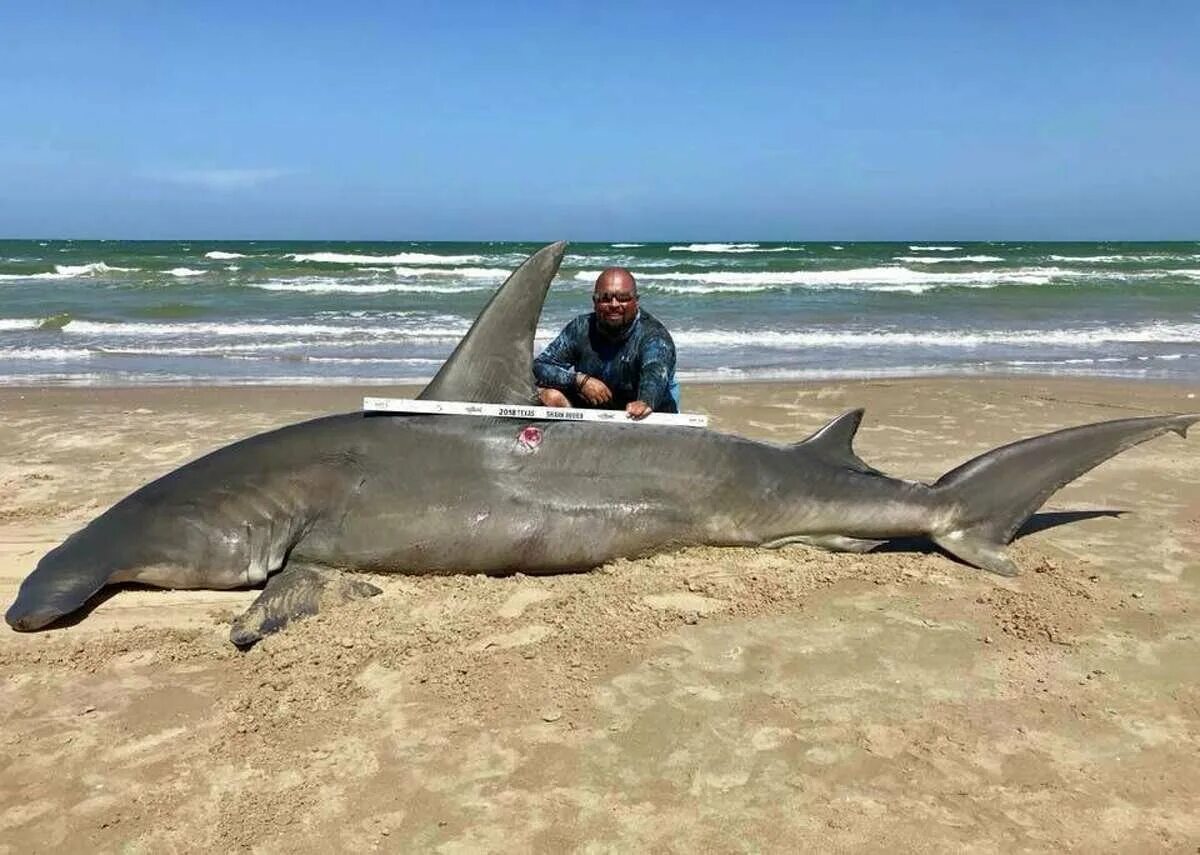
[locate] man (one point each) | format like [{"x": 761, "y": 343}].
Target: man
[{"x": 615, "y": 357}]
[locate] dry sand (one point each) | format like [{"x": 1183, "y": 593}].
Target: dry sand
[{"x": 710, "y": 700}]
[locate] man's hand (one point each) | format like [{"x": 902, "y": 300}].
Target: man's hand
[
  {"x": 594, "y": 391},
  {"x": 638, "y": 409},
  {"x": 552, "y": 398}
]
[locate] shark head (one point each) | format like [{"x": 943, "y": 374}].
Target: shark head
[{"x": 65, "y": 579}]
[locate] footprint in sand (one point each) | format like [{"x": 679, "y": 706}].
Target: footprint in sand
[
  {"x": 515, "y": 605},
  {"x": 517, "y": 638},
  {"x": 682, "y": 601}
]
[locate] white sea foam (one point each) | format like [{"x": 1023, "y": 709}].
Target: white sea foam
[
  {"x": 19, "y": 324},
  {"x": 70, "y": 271},
  {"x": 714, "y": 247},
  {"x": 452, "y": 329},
  {"x": 233, "y": 267},
  {"x": 184, "y": 272},
  {"x": 249, "y": 328},
  {"x": 336, "y": 286},
  {"x": 625, "y": 245},
  {"x": 837, "y": 247},
  {"x": 199, "y": 350},
  {"x": 493, "y": 273},
  {"x": 933, "y": 248},
  {"x": 1064, "y": 337},
  {"x": 1116, "y": 259},
  {"x": 218, "y": 255},
  {"x": 732, "y": 248},
  {"x": 961, "y": 259},
  {"x": 45, "y": 354},
  {"x": 1099, "y": 360},
  {"x": 399, "y": 258},
  {"x": 872, "y": 278},
  {"x": 361, "y": 360}
]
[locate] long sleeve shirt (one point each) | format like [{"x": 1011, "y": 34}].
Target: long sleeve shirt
[{"x": 638, "y": 364}]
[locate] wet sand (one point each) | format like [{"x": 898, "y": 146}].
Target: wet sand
[{"x": 707, "y": 700}]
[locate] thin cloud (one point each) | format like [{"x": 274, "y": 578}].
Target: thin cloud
[{"x": 221, "y": 179}]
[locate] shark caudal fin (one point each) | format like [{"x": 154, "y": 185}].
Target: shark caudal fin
[
  {"x": 494, "y": 361},
  {"x": 991, "y": 496}
]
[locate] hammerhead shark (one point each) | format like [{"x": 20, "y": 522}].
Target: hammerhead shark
[{"x": 298, "y": 507}]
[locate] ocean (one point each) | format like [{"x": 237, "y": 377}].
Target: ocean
[{"x": 176, "y": 312}]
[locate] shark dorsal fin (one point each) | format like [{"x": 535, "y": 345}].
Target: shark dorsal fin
[
  {"x": 835, "y": 442},
  {"x": 494, "y": 362}
]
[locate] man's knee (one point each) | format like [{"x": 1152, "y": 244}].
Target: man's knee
[{"x": 553, "y": 398}]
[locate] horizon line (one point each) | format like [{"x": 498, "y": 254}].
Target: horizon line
[{"x": 726, "y": 239}]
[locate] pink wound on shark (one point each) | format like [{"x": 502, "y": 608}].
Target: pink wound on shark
[{"x": 530, "y": 438}]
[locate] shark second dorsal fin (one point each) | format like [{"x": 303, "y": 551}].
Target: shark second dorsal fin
[
  {"x": 493, "y": 363},
  {"x": 835, "y": 440}
]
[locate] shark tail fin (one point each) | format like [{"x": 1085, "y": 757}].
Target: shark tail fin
[{"x": 991, "y": 496}]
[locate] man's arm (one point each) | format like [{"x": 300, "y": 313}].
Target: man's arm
[
  {"x": 658, "y": 366},
  {"x": 554, "y": 367}
]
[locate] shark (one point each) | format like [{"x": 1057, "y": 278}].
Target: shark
[{"x": 305, "y": 510}]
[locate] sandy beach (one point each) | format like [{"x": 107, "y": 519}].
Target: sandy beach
[{"x": 714, "y": 700}]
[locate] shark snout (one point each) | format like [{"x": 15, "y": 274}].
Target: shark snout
[
  {"x": 25, "y": 615},
  {"x": 63, "y": 581}
]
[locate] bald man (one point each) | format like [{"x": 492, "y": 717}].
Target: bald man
[{"x": 615, "y": 357}]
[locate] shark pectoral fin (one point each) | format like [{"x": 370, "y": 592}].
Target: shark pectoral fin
[
  {"x": 295, "y": 592},
  {"x": 978, "y": 550},
  {"x": 832, "y": 542}
]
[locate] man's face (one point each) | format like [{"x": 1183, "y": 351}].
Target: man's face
[{"x": 616, "y": 303}]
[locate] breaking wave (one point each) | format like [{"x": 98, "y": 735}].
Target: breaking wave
[
  {"x": 492, "y": 273},
  {"x": 398, "y": 258},
  {"x": 732, "y": 248},
  {"x": 927, "y": 259},
  {"x": 875, "y": 278},
  {"x": 45, "y": 354},
  {"x": 1143, "y": 333},
  {"x": 336, "y": 286},
  {"x": 71, "y": 271}
]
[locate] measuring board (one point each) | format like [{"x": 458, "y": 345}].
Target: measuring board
[{"x": 517, "y": 411}]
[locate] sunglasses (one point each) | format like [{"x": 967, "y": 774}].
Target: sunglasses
[{"x": 613, "y": 298}]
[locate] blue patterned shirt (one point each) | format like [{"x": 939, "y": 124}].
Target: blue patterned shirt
[{"x": 638, "y": 364}]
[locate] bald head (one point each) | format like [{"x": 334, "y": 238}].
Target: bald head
[
  {"x": 616, "y": 299},
  {"x": 618, "y": 278}
]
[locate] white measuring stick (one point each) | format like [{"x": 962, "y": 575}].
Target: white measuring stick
[{"x": 517, "y": 411}]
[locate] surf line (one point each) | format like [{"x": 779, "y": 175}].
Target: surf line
[{"x": 511, "y": 411}]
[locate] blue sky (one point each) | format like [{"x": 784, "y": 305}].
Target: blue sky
[{"x": 589, "y": 121}]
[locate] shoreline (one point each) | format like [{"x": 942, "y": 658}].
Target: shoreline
[
  {"x": 371, "y": 387},
  {"x": 700, "y": 378},
  {"x": 783, "y": 699}
]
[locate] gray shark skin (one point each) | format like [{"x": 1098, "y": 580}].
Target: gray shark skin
[{"x": 441, "y": 494}]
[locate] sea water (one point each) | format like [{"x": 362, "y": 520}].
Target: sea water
[{"x": 123, "y": 312}]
